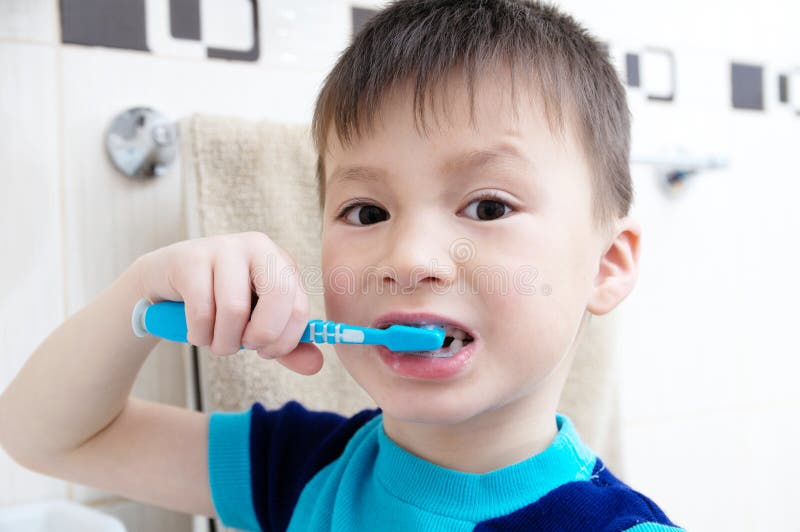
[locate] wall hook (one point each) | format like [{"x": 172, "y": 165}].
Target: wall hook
[{"x": 141, "y": 142}]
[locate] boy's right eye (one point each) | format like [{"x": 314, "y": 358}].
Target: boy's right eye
[{"x": 365, "y": 213}]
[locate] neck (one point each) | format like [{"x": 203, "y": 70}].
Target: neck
[
  {"x": 487, "y": 442},
  {"x": 493, "y": 439}
]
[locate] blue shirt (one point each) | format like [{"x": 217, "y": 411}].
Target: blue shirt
[{"x": 294, "y": 469}]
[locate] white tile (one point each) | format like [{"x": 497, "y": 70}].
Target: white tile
[
  {"x": 682, "y": 460},
  {"x": 227, "y": 24},
  {"x": 31, "y": 282},
  {"x": 710, "y": 323},
  {"x": 29, "y": 20},
  {"x": 304, "y": 35},
  {"x": 738, "y": 462},
  {"x": 774, "y": 439}
]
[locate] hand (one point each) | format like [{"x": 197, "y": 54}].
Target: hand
[{"x": 216, "y": 278}]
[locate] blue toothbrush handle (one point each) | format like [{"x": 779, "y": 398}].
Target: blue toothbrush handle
[{"x": 167, "y": 319}]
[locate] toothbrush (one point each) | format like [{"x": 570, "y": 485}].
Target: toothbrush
[{"x": 167, "y": 319}]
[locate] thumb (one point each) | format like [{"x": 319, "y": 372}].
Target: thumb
[{"x": 305, "y": 359}]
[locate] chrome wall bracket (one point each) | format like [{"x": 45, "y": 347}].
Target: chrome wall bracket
[{"x": 141, "y": 142}]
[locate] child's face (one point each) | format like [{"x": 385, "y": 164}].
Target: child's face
[{"x": 438, "y": 249}]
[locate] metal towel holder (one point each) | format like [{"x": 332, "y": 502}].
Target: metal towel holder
[{"x": 141, "y": 142}]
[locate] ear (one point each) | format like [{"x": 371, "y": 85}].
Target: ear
[{"x": 619, "y": 268}]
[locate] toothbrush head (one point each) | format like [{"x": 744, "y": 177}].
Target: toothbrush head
[{"x": 408, "y": 338}]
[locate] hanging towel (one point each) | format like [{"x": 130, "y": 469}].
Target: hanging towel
[{"x": 242, "y": 175}]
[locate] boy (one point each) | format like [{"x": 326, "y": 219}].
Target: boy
[{"x": 525, "y": 172}]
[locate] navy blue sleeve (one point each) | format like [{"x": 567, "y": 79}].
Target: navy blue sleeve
[
  {"x": 260, "y": 460},
  {"x": 601, "y": 504}
]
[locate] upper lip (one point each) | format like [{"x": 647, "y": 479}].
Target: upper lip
[{"x": 393, "y": 317}]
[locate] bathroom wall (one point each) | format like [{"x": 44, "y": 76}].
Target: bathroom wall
[{"x": 709, "y": 403}]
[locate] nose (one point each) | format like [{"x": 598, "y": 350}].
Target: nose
[{"x": 416, "y": 255}]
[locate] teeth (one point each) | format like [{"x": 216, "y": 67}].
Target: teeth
[
  {"x": 455, "y": 345},
  {"x": 458, "y": 334}
]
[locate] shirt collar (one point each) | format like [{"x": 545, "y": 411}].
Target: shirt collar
[{"x": 479, "y": 497}]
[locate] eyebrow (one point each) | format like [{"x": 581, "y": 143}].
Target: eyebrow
[
  {"x": 468, "y": 160},
  {"x": 480, "y": 158},
  {"x": 357, "y": 173}
]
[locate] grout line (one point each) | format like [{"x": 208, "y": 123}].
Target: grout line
[
  {"x": 12, "y": 40},
  {"x": 159, "y": 55},
  {"x": 62, "y": 177},
  {"x": 62, "y": 201},
  {"x": 57, "y": 22}
]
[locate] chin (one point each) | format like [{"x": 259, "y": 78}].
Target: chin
[{"x": 439, "y": 409}]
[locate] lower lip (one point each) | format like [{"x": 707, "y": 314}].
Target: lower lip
[{"x": 430, "y": 368}]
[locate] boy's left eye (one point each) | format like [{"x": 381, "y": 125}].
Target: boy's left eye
[{"x": 488, "y": 207}]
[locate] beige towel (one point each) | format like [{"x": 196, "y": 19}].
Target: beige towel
[{"x": 242, "y": 175}]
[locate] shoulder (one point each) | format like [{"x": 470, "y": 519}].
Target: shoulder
[
  {"x": 310, "y": 426},
  {"x": 603, "y": 503},
  {"x": 301, "y": 440},
  {"x": 261, "y": 459}
]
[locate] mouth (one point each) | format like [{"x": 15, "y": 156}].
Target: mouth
[{"x": 457, "y": 336}]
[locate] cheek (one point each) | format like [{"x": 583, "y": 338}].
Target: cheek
[
  {"x": 535, "y": 320},
  {"x": 340, "y": 280},
  {"x": 338, "y": 287}
]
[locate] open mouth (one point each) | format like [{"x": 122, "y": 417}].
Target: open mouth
[{"x": 454, "y": 340}]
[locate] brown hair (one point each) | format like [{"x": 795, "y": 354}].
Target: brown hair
[{"x": 421, "y": 41}]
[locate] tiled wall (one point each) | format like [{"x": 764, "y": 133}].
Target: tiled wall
[
  {"x": 71, "y": 223},
  {"x": 708, "y": 363}
]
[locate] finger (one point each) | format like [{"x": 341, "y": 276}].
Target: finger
[
  {"x": 232, "y": 298},
  {"x": 276, "y": 288},
  {"x": 194, "y": 285},
  {"x": 305, "y": 359},
  {"x": 291, "y": 334}
]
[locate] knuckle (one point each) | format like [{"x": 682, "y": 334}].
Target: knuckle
[
  {"x": 256, "y": 238},
  {"x": 235, "y": 308},
  {"x": 302, "y": 310},
  {"x": 201, "y": 312},
  {"x": 184, "y": 267},
  {"x": 262, "y": 281},
  {"x": 265, "y": 336},
  {"x": 191, "y": 256}
]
